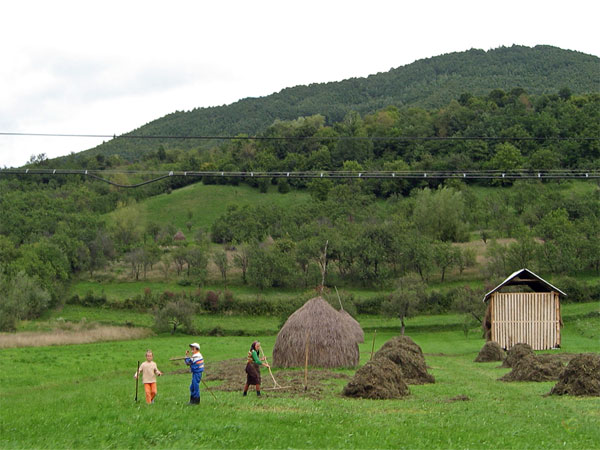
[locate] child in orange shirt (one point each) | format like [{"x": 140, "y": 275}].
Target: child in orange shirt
[{"x": 149, "y": 371}]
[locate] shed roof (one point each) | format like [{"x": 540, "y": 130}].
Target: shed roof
[{"x": 528, "y": 278}]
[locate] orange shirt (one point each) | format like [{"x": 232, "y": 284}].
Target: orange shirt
[{"x": 148, "y": 370}]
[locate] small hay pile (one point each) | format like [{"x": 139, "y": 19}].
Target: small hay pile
[
  {"x": 378, "y": 379},
  {"x": 491, "y": 351},
  {"x": 353, "y": 324},
  {"x": 396, "y": 364},
  {"x": 581, "y": 377},
  {"x": 407, "y": 355},
  {"x": 532, "y": 368},
  {"x": 515, "y": 353},
  {"x": 331, "y": 341},
  {"x": 402, "y": 341}
]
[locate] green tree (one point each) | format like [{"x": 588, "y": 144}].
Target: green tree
[
  {"x": 173, "y": 316},
  {"x": 405, "y": 301},
  {"x": 221, "y": 261},
  {"x": 440, "y": 214},
  {"x": 21, "y": 297}
]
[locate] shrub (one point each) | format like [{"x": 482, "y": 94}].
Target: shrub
[
  {"x": 211, "y": 301},
  {"x": 369, "y": 305},
  {"x": 577, "y": 291},
  {"x": 174, "y": 316}
]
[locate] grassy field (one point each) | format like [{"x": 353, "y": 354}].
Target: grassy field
[
  {"x": 207, "y": 203},
  {"x": 82, "y": 396}
]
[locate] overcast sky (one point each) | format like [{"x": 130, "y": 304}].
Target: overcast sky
[{"x": 77, "y": 67}]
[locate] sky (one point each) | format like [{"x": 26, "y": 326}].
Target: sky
[{"x": 109, "y": 67}]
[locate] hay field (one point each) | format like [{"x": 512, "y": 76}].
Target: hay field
[{"x": 82, "y": 396}]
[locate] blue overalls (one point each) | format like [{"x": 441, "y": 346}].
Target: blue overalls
[{"x": 196, "y": 363}]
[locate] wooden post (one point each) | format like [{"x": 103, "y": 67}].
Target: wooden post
[
  {"x": 373, "y": 345},
  {"x": 339, "y": 299},
  {"x": 306, "y": 362},
  {"x": 136, "y": 381}
]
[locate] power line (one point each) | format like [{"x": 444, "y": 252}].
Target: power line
[
  {"x": 313, "y": 138},
  {"x": 523, "y": 174}
]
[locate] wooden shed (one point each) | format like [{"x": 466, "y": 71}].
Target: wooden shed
[{"x": 531, "y": 317}]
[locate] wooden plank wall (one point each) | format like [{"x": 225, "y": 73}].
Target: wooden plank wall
[{"x": 530, "y": 318}]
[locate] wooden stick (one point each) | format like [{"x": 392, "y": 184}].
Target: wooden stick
[
  {"x": 137, "y": 377},
  {"x": 211, "y": 392},
  {"x": 373, "y": 345},
  {"x": 177, "y": 358},
  {"x": 275, "y": 383},
  {"x": 306, "y": 362},
  {"x": 339, "y": 299}
]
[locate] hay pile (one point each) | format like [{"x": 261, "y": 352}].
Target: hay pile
[
  {"x": 491, "y": 351},
  {"x": 353, "y": 324},
  {"x": 331, "y": 341},
  {"x": 407, "y": 355},
  {"x": 515, "y": 353},
  {"x": 532, "y": 368},
  {"x": 378, "y": 379},
  {"x": 580, "y": 377},
  {"x": 396, "y": 364}
]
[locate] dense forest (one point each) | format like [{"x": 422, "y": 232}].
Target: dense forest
[
  {"x": 54, "y": 228},
  {"x": 429, "y": 83}
]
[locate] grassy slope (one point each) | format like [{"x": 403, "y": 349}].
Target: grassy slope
[
  {"x": 83, "y": 398},
  {"x": 207, "y": 203}
]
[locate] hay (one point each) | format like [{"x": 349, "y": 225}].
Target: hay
[
  {"x": 331, "y": 341},
  {"x": 532, "y": 368},
  {"x": 581, "y": 377},
  {"x": 378, "y": 379},
  {"x": 357, "y": 330},
  {"x": 404, "y": 342},
  {"x": 515, "y": 353},
  {"x": 491, "y": 351},
  {"x": 407, "y": 355}
]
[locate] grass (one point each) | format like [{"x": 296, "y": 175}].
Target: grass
[
  {"x": 81, "y": 396},
  {"x": 207, "y": 203}
]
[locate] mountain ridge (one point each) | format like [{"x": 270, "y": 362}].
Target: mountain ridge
[{"x": 426, "y": 83}]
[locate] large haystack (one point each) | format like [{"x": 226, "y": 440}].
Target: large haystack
[
  {"x": 580, "y": 377},
  {"x": 357, "y": 330},
  {"x": 378, "y": 379},
  {"x": 407, "y": 355},
  {"x": 491, "y": 351},
  {"x": 331, "y": 342}
]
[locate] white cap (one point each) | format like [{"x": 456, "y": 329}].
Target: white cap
[{"x": 195, "y": 344}]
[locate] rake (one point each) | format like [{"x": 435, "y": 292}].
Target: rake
[{"x": 276, "y": 385}]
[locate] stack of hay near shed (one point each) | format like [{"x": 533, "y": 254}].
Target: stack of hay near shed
[
  {"x": 581, "y": 377},
  {"x": 491, "y": 351},
  {"x": 407, "y": 355},
  {"x": 331, "y": 342},
  {"x": 378, "y": 379},
  {"x": 396, "y": 364}
]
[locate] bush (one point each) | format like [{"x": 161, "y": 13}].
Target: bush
[
  {"x": 369, "y": 305},
  {"x": 174, "y": 316},
  {"x": 211, "y": 301},
  {"x": 577, "y": 291}
]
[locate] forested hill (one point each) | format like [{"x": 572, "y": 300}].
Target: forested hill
[{"x": 427, "y": 83}]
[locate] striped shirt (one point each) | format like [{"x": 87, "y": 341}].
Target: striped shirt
[{"x": 196, "y": 362}]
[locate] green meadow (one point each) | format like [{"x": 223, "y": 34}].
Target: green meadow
[{"x": 82, "y": 396}]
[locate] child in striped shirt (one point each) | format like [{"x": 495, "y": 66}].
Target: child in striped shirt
[{"x": 196, "y": 363}]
